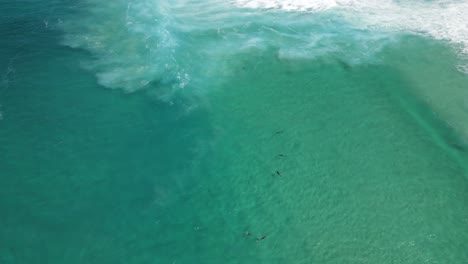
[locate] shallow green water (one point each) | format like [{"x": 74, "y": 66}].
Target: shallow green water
[{"x": 166, "y": 139}]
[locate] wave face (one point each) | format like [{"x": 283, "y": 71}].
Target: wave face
[{"x": 146, "y": 44}]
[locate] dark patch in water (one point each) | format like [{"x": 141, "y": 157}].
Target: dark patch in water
[
  {"x": 345, "y": 66},
  {"x": 458, "y": 146}
]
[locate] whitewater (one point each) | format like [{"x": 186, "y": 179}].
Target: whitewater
[{"x": 297, "y": 28}]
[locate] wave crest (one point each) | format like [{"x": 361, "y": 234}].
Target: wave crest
[
  {"x": 442, "y": 20},
  {"x": 142, "y": 44}
]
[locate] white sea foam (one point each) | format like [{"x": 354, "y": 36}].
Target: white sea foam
[
  {"x": 147, "y": 43},
  {"x": 289, "y": 5},
  {"x": 131, "y": 43},
  {"x": 443, "y": 20}
]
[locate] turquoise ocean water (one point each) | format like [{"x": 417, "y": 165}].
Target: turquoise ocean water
[{"x": 208, "y": 131}]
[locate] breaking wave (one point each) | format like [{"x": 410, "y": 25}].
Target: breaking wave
[{"x": 173, "y": 45}]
